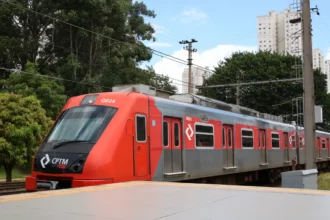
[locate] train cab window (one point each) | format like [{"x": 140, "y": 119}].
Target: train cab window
[
  {"x": 323, "y": 143},
  {"x": 204, "y": 135},
  {"x": 141, "y": 134},
  {"x": 293, "y": 141},
  {"x": 176, "y": 134},
  {"x": 275, "y": 140},
  {"x": 247, "y": 138},
  {"x": 229, "y": 138},
  {"x": 165, "y": 133}
]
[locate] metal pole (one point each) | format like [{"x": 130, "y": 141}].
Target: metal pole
[
  {"x": 297, "y": 135},
  {"x": 237, "y": 91},
  {"x": 190, "y": 51},
  {"x": 308, "y": 77},
  {"x": 189, "y": 64}
]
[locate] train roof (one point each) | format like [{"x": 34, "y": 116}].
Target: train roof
[{"x": 197, "y": 102}]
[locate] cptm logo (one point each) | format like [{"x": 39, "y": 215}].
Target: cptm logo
[{"x": 60, "y": 162}]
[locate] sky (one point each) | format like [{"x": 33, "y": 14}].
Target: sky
[{"x": 221, "y": 27}]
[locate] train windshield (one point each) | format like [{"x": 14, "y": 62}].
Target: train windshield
[{"x": 85, "y": 123}]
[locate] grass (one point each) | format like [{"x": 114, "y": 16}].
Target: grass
[
  {"x": 17, "y": 174},
  {"x": 324, "y": 181}
]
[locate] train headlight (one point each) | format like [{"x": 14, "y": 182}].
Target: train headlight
[
  {"x": 77, "y": 167},
  {"x": 89, "y": 99}
]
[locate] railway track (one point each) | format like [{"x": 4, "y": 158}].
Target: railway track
[{"x": 12, "y": 188}]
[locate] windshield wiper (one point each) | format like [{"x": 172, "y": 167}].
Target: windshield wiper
[{"x": 69, "y": 142}]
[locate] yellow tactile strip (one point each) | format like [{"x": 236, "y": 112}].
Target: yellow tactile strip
[{"x": 127, "y": 184}]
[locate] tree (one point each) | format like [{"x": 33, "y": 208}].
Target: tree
[
  {"x": 159, "y": 81},
  {"x": 107, "y": 46},
  {"x": 108, "y": 54},
  {"x": 49, "y": 92},
  {"x": 272, "y": 98},
  {"x": 23, "y": 124}
]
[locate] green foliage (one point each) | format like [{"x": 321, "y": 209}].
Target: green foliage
[
  {"x": 159, "y": 81},
  {"x": 323, "y": 181},
  {"x": 92, "y": 58},
  {"x": 49, "y": 92},
  {"x": 23, "y": 124},
  {"x": 272, "y": 98}
]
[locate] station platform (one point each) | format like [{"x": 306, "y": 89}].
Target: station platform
[{"x": 167, "y": 201}]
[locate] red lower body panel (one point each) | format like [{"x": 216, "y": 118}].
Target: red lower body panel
[
  {"x": 31, "y": 183},
  {"x": 82, "y": 183}
]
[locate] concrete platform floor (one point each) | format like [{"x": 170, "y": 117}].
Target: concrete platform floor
[{"x": 167, "y": 201}]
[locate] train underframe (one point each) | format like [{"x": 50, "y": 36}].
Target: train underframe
[{"x": 266, "y": 177}]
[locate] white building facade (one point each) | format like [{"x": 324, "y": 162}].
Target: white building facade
[
  {"x": 277, "y": 34},
  {"x": 318, "y": 60},
  {"x": 197, "y": 78}
]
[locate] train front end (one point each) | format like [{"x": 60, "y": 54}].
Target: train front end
[{"x": 63, "y": 156}]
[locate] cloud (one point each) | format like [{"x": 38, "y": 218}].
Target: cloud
[
  {"x": 208, "y": 58},
  {"x": 158, "y": 44},
  {"x": 159, "y": 29},
  {"x": 191, "y": 15},
  {"x": 327, "y": 56}
]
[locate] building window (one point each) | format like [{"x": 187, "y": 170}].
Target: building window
[
  {"x": 275, "y": 140},
  {"x": 204, "y": 135},
  {"x": 247, "y": 138}
]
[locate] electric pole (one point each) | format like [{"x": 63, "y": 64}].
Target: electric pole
[
  {"x": 308, "y": 76},
  {"x": 190, "y": 51}
]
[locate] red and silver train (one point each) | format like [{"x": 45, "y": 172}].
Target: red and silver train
[{"x": 131, "y": 135}]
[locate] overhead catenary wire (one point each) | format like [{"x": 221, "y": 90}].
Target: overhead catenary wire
[
  {"x": 250, "y": 83},
  {"x": 156, "y": 52}
]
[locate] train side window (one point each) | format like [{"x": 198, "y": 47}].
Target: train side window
[
  {"x": 176, "y": 134},
  {"x": 141, "y": 134},
  {"x": 293, "y": 141},
  {"x": 286, "y": 139},
  {"x": 275, "y": 140},
  {"x": 229, "y": 138},
  {"x": 204, "y": 135},
  {"x": 264, "y": 139},
  {"x": 300, "y": 141},
  {"x": 247, "y": 138},
  {"x": 223, "y": 137},
  {"x": 165, "y": 133},
  {"x": 323, "y": 143}
]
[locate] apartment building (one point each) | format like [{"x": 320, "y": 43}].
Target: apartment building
[
  {"x": 277, "y": 34},
  {"x": 197, "y": 78}
]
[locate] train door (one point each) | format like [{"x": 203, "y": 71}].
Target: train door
[
  {"x": 263, "y": 146},
  {"x": 172, "y": 142},
  {"x": 228, "y": 143},
  {"x": 328, "y": 143},
  {"x": 141, "y": 151},
  {"x": 286, "y": 147},
  {"x": 318, "y": 147}
]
